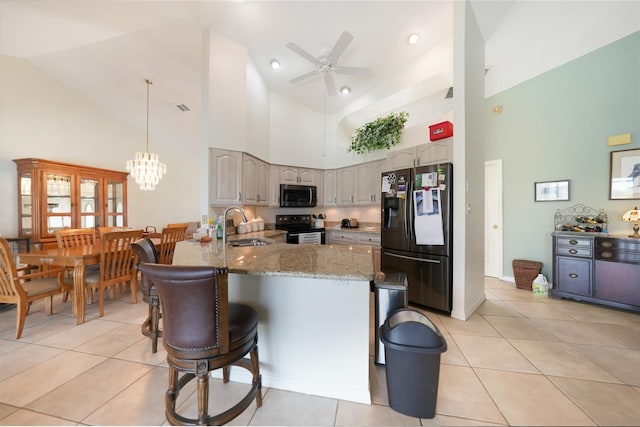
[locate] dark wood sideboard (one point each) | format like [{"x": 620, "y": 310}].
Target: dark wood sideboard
[{"x": 597, "y": 268}]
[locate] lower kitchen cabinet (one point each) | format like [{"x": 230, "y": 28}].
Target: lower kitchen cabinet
[
  {"x": 598, "y": 269},
  {"x": 357, "y": 238}
]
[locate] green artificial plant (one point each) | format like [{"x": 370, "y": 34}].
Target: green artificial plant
[{"x": 383, "y": 132}]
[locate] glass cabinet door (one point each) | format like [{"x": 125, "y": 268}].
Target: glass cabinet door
[
  {"x": 25, "y": 209},
  {"x": 58, "y": 191},
  {"x": 89, "y": 203},
  {"x": 115, "y": 204}
]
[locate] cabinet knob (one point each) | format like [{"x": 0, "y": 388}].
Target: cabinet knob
[
  {"x": 607, "y": 244},
  {"x": 573, "y": 242},
  {"x": 573, "y": 275},
  {"x": 573, "y": 251},
  {"x": 606, "y": 254}
]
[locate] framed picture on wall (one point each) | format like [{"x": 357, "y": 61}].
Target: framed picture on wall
[
  {"x": 552, "y": 191},
  {"x": 624, "y": 177}
]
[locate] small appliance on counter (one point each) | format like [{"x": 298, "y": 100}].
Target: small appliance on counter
[{"x": 349, "y": 223}]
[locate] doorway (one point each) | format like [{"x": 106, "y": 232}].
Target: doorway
[{"x": 493, "y": 238}]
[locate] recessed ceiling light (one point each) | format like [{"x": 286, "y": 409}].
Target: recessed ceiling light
[
  {"x": 345, "y": 90},
  {"x": 275, "y": 64},
  {"x": 414, "y": 38}
]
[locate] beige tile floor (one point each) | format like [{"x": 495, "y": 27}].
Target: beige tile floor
[{"x": 519, "y": 360}]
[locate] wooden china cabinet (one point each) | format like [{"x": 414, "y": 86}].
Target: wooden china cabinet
[{"x": 55, "y": 195}]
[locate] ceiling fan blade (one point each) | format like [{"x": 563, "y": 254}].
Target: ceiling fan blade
[
  {"x": 303, "y": 76},
  {"x": 341, "y": 45},
  {"x": 306, "y": 55},
  {"x": 352, "y": 70},
  {"x": 330, "y": 84}
]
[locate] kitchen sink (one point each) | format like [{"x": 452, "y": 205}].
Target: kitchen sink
[{"x": 249, "y": 242}]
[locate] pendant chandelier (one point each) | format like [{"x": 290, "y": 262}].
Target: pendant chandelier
[{"x": 146, "y": 169}]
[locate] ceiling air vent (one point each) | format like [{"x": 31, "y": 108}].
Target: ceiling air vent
[
  {"x": 183, "y": 107},
  {"x": 449, "y": 94}
]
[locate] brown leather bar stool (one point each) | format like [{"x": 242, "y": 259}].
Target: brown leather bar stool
[
  {"x": 204, "y": 332},
  {"x": 146, "y": 252}
]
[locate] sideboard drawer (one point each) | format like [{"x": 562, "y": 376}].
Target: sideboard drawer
[
  {"x": 575, "y": 241},
  {"x": 561, "y": 250}
]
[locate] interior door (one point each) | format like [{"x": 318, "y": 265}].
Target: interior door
[{"x": 493, "y": 239}]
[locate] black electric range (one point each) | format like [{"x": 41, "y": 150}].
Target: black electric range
[{"x": 300, "y": 229}]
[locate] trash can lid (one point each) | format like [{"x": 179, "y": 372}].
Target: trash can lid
[
  {"x": 395, "y": 281},
  {"x": 411, "y": 330}
]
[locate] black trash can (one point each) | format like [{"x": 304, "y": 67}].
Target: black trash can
[
  {"x": 413, "y": 345},
  {"x": 390, "y": 295}
]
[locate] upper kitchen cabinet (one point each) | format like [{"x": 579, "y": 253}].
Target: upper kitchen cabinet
[
  {"x": 421, "y": 155},
  {"x": 329, "y": 193},
  {"x": 255, "y": 181},
  {"x": 225, "y": 177},
  {"x": 345, "y": 186},
  {"x": 274, "y": 185},
  {"x": 367, "y": 178},
  {"x": 301, "y": 176},
  {"x": 54, "y": 195}
]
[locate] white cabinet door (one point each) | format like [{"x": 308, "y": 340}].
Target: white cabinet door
[
  {"x": 376, "y": 180},
  {"x": 345, "y": 186},
  {"x": 274, "y": 185},
  {"x": 401, "y": 159},
  {"x": 369, "y": 239},
  {"x": 308, "y": 176},
  {"x": 255, "y": 181},
  {"x": 262, "y": 183},
  {"x": 300, "y": 176},
  {"x": 363, "y": 194},
  {"x": 288, "y": 175},
  {"x": 435, "y": 152},
  {"x": 342, "y": 238},
  {"x": 249, "y": 180},
  {"x": 225, "y": 177},
  {"x": 329, "y": 197}
]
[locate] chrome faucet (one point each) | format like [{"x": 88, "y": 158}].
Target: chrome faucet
[{"x": 224, "y": 221}]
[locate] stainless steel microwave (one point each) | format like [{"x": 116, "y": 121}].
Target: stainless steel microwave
[{"x": 295, "y": 196}]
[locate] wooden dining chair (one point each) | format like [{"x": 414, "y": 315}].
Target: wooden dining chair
[
  {"x": 23, "y": 289},
  {"x": 117, "y": 265},
  {"x": 70, "y": 238},
  {"x": 168, "y": 238}
]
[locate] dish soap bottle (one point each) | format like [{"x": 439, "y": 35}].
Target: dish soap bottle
[{"x": 219, "y": 231}]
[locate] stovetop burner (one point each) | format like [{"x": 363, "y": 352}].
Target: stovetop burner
[{"x": 295, "y": 223}]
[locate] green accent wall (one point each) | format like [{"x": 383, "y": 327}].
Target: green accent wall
[{"x": 555, "y": 127}]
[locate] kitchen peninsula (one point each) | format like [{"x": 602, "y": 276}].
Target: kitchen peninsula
[{"x": 313, "y": 308}]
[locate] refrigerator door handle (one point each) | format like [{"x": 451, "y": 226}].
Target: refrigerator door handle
[
  {"x": 409, "y": 210},
  {"x": 432, "y": 261}
]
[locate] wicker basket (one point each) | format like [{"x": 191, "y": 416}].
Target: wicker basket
[{"x": 525, "y": 272}]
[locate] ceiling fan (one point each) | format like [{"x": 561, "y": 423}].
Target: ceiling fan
[{"x": 327, "y": 64}]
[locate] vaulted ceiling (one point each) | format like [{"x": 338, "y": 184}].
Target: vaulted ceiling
[{"x": 105, "y": 49}]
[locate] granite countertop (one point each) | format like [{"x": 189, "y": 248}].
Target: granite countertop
[{"x": 339, "y": 262}]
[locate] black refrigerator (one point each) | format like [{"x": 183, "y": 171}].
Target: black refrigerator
[{"x": 417, "y": 231}]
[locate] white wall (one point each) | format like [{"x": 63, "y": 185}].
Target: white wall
[
  {"x": 226, "y": 91},
  {"x": 296, "y": 133},
  {"x": 40, "y": 117},
  {"x": 468, "y": 160},
  {"x": 258, "y": 109}
]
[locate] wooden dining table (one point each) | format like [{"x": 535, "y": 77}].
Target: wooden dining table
[{"x": 79, "y": 258}]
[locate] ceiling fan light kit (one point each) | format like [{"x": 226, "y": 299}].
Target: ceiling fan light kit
[{"x": 327, "y": 65}]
